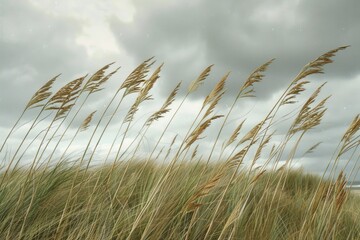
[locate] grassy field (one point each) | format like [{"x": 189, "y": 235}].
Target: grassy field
[{"x": 177, "y": 191}]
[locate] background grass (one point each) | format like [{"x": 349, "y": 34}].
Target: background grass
[{"x": 108, "y": 211}]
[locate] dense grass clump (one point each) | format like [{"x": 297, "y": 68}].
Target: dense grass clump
[{"x": 243, "y": 187}]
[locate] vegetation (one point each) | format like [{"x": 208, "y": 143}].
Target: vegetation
[{"x": 250, "y": 191}]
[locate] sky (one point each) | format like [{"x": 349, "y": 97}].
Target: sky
[{"x": 40, "y": 39}]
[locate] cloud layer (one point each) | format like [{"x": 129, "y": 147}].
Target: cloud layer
[
  {"x": 238, "y": 36},
  {"x": 41, "y": 39}
]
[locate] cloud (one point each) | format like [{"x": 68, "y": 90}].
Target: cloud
[
  {"x": 35, "y": 47},
  {"x": 42, "y": 39},
  {"x": 238, "y": 36}
]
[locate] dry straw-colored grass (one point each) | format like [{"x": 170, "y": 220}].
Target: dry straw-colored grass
[{"x": 176, "y": 191}]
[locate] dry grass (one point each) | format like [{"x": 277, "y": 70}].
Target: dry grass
[{"x": 177, "y": 191}]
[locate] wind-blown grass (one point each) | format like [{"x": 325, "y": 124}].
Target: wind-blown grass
[{"x": 174, "y": 192}]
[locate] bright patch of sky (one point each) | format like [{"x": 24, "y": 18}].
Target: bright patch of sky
[{"x": 96, "y": 35}]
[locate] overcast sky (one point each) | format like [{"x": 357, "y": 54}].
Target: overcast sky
[{"x": 40, "y": 39}]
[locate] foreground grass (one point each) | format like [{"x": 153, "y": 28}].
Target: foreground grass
[
  {"x": 106, "y": 205},
  {"x": 241, "y": 187}
]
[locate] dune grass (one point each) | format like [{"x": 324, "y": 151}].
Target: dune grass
[{"x": 243, "y": 188}]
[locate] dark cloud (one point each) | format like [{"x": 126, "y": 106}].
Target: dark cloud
[{"x": 240, "y": 35}]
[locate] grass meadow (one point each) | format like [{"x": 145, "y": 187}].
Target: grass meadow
[{"x": 176, "y": 191}]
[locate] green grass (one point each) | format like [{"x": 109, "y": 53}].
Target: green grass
[
  {"x": 109, "y": 210},
  {"x": 243, "y": 188}
]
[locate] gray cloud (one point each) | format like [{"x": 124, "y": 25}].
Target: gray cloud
[
  {"x": 35, "y": 46},
  {"x": 240, "y": 35},
  {"x": 187, "y": 36}
]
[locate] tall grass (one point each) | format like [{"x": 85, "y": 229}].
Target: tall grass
[{"x": 243, "y": 188}]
